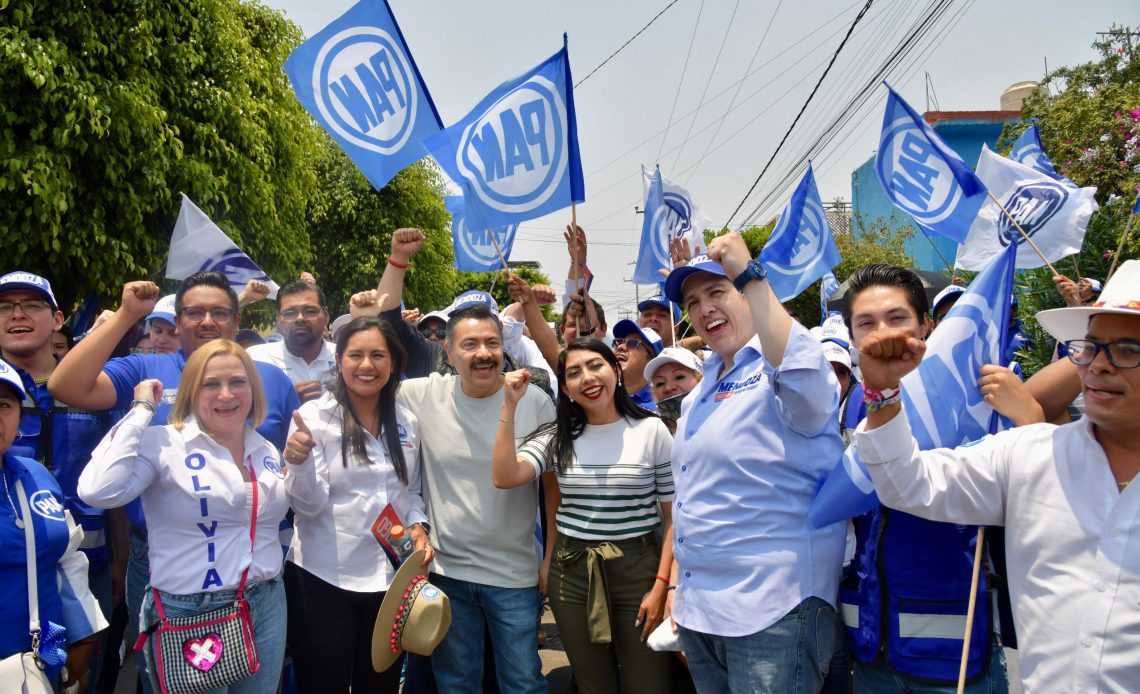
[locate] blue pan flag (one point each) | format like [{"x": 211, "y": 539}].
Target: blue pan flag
[
  {"x": 923, "y": 176},
  {"x": 801, "y": 248},
  {"x": 474, "y": 247},
  {"x": 942, "y": 399},
  {"x": 653, "y": 253},
  {"x": 1027, "y": 150},
  {"x": 515, "y": 155},
  {"x": 828, "y": 285},
  {"x": 358, "y": 80}
]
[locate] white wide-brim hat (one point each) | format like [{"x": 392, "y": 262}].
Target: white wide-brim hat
[{"x": 1121, "y": 295}]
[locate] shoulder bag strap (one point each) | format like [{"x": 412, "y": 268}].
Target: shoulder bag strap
[
  {"x": 33, "y": 586},
  {"x": 252, "y": 526}
]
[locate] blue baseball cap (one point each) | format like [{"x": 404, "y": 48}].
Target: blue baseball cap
[
  {"x": 25, "y": 281},
  {"x": 676, "y": 280},
  {"x": 8, "y": 375},
  {"x": 471, "y": 298},
  {"x": 662, "y": 301},
  {"x": 625, "y": 328}
]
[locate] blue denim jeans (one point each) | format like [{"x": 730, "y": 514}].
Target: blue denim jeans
[
  {"x": 138, "y": 578},
  {"x": 267, "y": 607},
  {"x": 879, "y": 677},
  {"x": 790, "y": 656},
  {"x": 511, "y": 616}
]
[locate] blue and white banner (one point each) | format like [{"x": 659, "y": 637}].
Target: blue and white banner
[
  {"x": 358, "y": 79},
  {"x": 801, "y": 248},
  {"x": 1028, "y": 151},
  {"x": 474, "y": 247},
  {"x": 653, "y": 253},
  {"x": 923, "y": 176},
  {"x": 684, "y": 218},
  {"x": 942, "y": 399},
  {"x": 198, "y": 245},
  {"x": 515, "y": 155},
  {"x": 1051, "y": 212},
  {"x": 828, "y": 285}
]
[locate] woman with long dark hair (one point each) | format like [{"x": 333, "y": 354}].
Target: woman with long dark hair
[
  {"x": 606, "y": 573},
  {"x": 351, "y": 452}
]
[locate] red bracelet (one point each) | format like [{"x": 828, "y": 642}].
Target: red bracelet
[
  {"x": 663, "y": 580},
  {"x": 394, "y": 264}
]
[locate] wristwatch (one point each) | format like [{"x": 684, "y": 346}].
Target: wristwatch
[{"x": 752, "y": 271}]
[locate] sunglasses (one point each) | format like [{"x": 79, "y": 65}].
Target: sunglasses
[
  {"x": 630, "y": 343},
  {"x": 437, "y": 333}
]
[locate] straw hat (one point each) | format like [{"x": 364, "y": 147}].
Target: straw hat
[
  {"x": 414, "y": 616},
  {"x": 1121, "y": 295}
]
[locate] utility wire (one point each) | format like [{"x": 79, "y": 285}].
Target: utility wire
[
  {"x": 622, "y": 47},
  {"x": 858, "y": 18},
  {"x": 684, "y": 70},
  {"x": 701, "y": 101}
]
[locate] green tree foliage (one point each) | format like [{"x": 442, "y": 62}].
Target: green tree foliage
[
  {"x": 1089, "y": 120},
  {"x": 878, "y": 243},
  {"x": 111, "y": 109},
  {"x": 493, "y": 283},
  {"x": 352, "y": 225}
]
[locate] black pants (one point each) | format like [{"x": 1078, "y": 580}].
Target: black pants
[{"x": 330, "y": 637}]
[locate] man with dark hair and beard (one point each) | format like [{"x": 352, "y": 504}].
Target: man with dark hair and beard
[{"x": 304, "y": 355}]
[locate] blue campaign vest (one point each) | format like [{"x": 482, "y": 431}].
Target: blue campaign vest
[
  {"x": 61, "y": 438},
  {"x": 911, "y": 578}
]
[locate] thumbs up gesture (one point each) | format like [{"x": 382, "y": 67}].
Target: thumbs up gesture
[{"x": 300, "y": 443}]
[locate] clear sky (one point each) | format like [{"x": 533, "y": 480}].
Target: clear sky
[{"x": 465, "y": 48}]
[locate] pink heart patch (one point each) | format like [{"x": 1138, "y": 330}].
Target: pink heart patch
[{"x": 204, "y": 652}]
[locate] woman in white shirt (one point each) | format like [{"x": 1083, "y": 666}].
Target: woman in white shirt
[
  {"x": 351, "y": 453},
  {"x": 606, "y": 574},
  {"x": 197, "y": 477}
]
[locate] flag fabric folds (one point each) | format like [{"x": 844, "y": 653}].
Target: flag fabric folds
[
  {"x": 1027, "y": 151},
  {"x": 474, "y": 247},
  {"x": 941, "y": 397},
  {"x": 801, "y": 248},
  {"x": 198, "y": 245},
  {"x": 653, "y": 252},
  {"x": 828, "y": 285},
  {"x": 1052, "y": 213},
  {"x": 923, "y": 176},
  {"x": 515, "y": 155},
  {"x": 358, "y": 79},
  {"x": 685, "y": 218}
]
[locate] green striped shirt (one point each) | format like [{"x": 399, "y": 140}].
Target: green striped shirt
[{"x": 619, "y": 476}]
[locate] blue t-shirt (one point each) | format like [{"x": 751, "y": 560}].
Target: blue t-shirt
[
  {"x": 644, "y": 397},
  {"x": 126, "y": 373}
]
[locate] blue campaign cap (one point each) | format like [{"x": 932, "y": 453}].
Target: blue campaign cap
[
  {"x": 8, "y": 375},
  {"x": 470, "y": 298},
  {"x": 676, "y": 280},
  {"x": 662, "y": 301},
  {"x": 625, "y": 328},
  {"x": 26, "y": 281}
]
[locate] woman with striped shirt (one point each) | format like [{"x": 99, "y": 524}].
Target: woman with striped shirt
[{"x": 605, "y": 573}]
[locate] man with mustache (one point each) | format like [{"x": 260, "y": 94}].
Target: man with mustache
[
  {"x": 304, "y": 355},
  {"x": 1063, "y": 493},
  {"x": 484, "y": 537}
]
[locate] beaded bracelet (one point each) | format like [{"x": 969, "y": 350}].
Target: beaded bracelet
[{"x": 878, "y": 399}]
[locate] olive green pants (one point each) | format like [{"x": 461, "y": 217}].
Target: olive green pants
[{"x": 596, "y": 589}]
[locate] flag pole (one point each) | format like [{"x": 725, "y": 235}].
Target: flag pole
[
  {"x": 970, "y": 609},
  {"x": 498, "y": 250},
  {"x": 939, "y": 252},
  {"x": 1120, "y": 246},
  {"x": 1022, "y": 231}
]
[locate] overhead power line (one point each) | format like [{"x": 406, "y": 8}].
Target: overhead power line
[
  {"x": 803, "y": 108},
  {"x": 681, "y": 82},
  {"x": 622, "y": 47}
]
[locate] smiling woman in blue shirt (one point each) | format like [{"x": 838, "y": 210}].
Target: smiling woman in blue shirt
[{"x": 757, "y": 585}]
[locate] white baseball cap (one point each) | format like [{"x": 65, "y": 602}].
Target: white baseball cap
[{"x": 673, "y": 355}]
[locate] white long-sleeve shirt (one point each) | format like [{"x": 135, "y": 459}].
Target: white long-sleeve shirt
[
  {"x": 335, "y": 506},
  {"x": 1072, "y": 540},
  {"x": 197, "y": 505}
]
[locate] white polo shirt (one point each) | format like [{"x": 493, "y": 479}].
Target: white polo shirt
[{"x": 296, "y": 368}]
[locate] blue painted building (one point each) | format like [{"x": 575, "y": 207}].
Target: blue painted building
[{"x": 966, "y": 132}]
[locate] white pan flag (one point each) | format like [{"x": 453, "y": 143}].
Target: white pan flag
[
  {"x": 198, "y": 245},
  {"x": 1053, "y": 214}
]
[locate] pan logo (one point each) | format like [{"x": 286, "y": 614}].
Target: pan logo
[
  {"x": 236, "y": 266},
  {"x": 922, "y": 182},
  {"x": 1032, "y": 205},
  {"x": 478, "y": 245},
  {"x": 681, "y": 220},
  {"x": 515, "y": 155},
  {"x": 364, "y": 89}
]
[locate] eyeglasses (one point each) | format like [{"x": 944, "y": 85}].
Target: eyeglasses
[
  {"x": 1123, "y": 354},
  {"x": 221, "y": 316},
  {"x": 437, "y": 333},
  {"x": 291, "y": 314},
  {"x": 630, "y": 343},
  {"x": 28, "y": 306}
]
